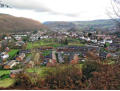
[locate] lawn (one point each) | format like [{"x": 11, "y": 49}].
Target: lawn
[
  {"x": 42, "y": 43},
  {"x": 45, "y": 53},
  {"x": 53, "y": 43},
  {"x": 12, "y": 53},
  {"x": 6, "y": 82},
  {"x": 75, "y": 44},
  {"x": 4, "y": 72}
]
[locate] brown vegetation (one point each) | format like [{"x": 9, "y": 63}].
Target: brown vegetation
[
  {"x": 10, "y": 23},
  {"x": 93, "y": 76}
]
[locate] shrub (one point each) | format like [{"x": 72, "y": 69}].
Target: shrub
[
  {"x": 23, "y": 80},
  {"x": 68, "y": 78},
  {"x": 108, "y": 78},
  {"x": 4, "y": 76},
  {"x": 90, "y": 67}
]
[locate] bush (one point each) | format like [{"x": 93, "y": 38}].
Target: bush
[
  {"x": 68, "y": 78},
  {"x": 4, "y": 76},
  {"x": 108, "y": 78},
  {"x": 90, "y": 67},
  {"x": 23, "y": 80},
  {"x": 93, "y": 76}
]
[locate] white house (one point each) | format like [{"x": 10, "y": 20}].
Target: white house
[
  {"x": 4, "y": 55},
  {"x": 109, "y": 41}
]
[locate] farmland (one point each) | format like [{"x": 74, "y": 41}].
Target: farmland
[{"x": 12, "y": 53}]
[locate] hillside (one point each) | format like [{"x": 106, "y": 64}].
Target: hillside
[
  {"x": 82, "y": 25},
  {"x": 10, "y": 23},
  {"x": 58, "y": 26}
]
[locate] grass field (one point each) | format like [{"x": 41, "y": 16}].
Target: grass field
[
  {"x": 75, "y": 44},
  {"x": 12, "y": 53},
  {"x": 6, "y": 82},
  {"x": 42, "y": 43},
  {"x": 47, "y": 52},
  {"x": 4, "y": 72},
  {"x": 53, "y": 43}
]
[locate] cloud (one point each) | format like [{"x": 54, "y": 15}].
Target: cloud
[
  {"x": 27, "y": 4},
  {"x": 60, "y": 10}
]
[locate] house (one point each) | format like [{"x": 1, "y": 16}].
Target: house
[
  {"x": 114, "y": 47},
  {"x": 28, "y": 59},
  {"x": 7, "y": 49},
  {"x": 51, "y": 63},
  {"x": 75, "y": 59},
  {"x": 109, "y": 41},
  {"x": 19, "y": 43},
  {"x": 8, "y": 38},
  {"x": 100, "y": 36},
  {"x": 19, "y": 36},
  {"x": 30, "y": 64},
  {"x": 103, "y": 55},
  {"x": 25, "y": 51},
  {"x": 4, "y": 55},
  {"x": 53, "y": 55},
  {"x": 13, "y": 73},
  {"x": 11, "y": 64},
  {"x": 102, "y": 41},
  {"x": 60, "y": 58},
  {"x": 70, "y": 51},
  {"x": 94, "y": 41},
  {"x": 20, "y": 57}
]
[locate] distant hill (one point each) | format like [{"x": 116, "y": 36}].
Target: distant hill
[
  {"x": 82, "y": 25},
  {"x": 58, "y": 26},
  {"x": 10, "y": 23}
]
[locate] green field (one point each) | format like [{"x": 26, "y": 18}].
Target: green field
[
  {"x": 75, "y": 42},
  {"x": 4, "y": 72},
  {"x": 6, "y": 82},
  {"x": 53, "y": 43},
  {"x": 12, "y": 53},
  {"x": 42, "y": 43},
  {"x": 45, "y": 53}
]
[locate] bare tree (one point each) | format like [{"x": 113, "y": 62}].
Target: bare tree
[
  {"x": 114, "y": 12},
  {"x": 3, "y": 5}
]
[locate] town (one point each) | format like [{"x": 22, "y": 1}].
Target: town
[
  {"x": 18, "y": 50},
  {"x": 60, "y": 45}
]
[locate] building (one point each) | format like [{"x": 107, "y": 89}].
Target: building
[
  {"x": 11, "y": 64},
  {"x": 13, "y": 73},
  {"x": 20, "y": 57}
]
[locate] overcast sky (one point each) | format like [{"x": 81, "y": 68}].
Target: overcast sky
[{"x": 58, "y": 10}]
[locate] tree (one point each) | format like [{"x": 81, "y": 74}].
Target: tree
[
  {"x": 114, "y": 13},
  {"x": 89, "y": 34},
  {"x": 35, "y": 32},
  {"x": 66, "y": 58},
  {"x": 66, "y": 42},
  {"x": 25, "y": 39},
  {"x": 2, "y": 5}
]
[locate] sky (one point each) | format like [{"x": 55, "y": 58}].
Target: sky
[{"x": 58, "y": 10}]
